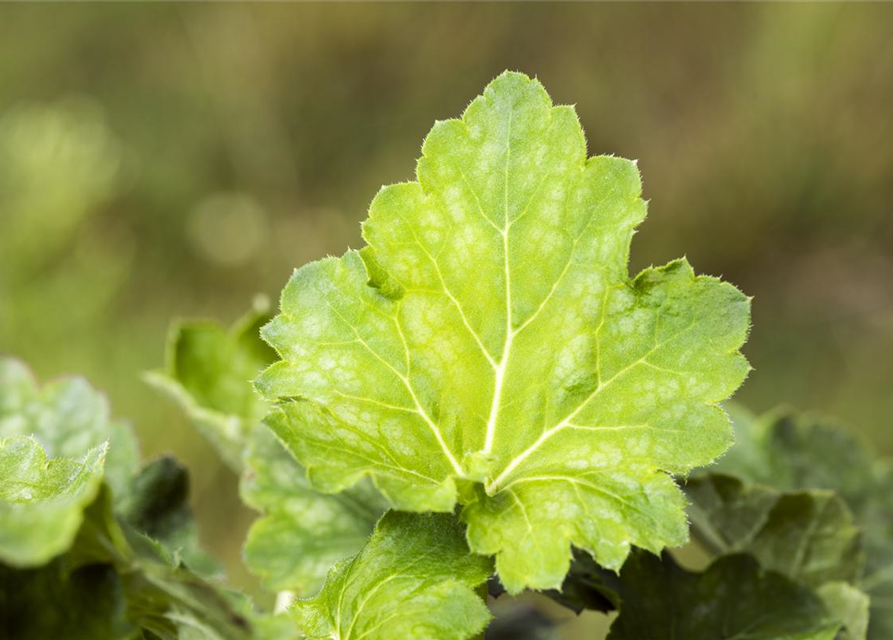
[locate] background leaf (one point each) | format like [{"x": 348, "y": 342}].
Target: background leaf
[
  {"x": 157, "y": 505},
  {"x": 42, "y": 500},
  {"x": 303, "y": 533},
  {"x": 808, "y": 536},
  {"x": 207, "y": 369},
  {"x": 733, "y": 598},
  {"x": 67, "y": 417},
  {"x": 789, "y": 451}
]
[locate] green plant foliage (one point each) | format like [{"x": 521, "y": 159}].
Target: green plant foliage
[
  {"x": 734, "y": 598},
  {"x": 207, "y": 368},
  {"x": 303, "y": 532},
  {"x": 808, "y": 536},
  {"x": 42, "y": 500},
  {"x": 76, "y": 564},
  {"x": 163, "y": 597},
  {"x": 67, "y": 417},
  {"x": 848, "y": 604},
  {"x": 523, "y": 623},
  {"x": 157, "y": 504},
  {"x": 788, "y": 451},
  {"x": 58, "y": 601},
  {"x": 415, "y": 580},
  {"x": 112, "y": 581},
  {"x": 488, "y": 346}
]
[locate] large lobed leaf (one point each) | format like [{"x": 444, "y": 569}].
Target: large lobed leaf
[
  {"x": 42, "y": 500},
  {"x": 414, "y": 580},
  {"x": 489, "y": 347}
]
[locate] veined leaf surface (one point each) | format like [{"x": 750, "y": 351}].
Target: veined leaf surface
[
  {"x": 489, "y": 347},
  {"x": 303, "y": 532},
  {"x": 415, "y": 580}
]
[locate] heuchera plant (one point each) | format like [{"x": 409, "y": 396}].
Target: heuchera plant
[{"x": 480, "y": 400}]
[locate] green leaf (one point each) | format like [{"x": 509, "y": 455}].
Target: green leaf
[
  {"x": 164, "y": 598},
  {"x": 56, "y": 601},
  {"x": 208, "y": 370},
  {"x": 489, "y": 346},
  {"x": 584, "y": 587},
  {"x": 42, "y": 500},
  {"x": 67, "y": 417},
  {"x": 303, "y": 532},
  {"x": 523, "y": 623},
  {"x": 157, "y": 505},
  {"x": 790, "y": 451},
  {"x": 849, "y": 605},
  {"x": 414, "y": 580},
  {"x": 733, "y": 599},
  {"x": 808, "y": 536}
]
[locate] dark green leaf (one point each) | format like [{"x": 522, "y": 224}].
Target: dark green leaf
[
  {"x": 790, "y": 452},
  {"x": 807, "y": 535},
  {"x": 157, "y": 505},
  {"x": 733, "y": 599}
]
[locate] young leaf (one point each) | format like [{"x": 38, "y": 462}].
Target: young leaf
[
  {"x": 207, "y": 371},
  {"x": 42, "y": 501},
  {"x": 790, "y": 452},
  {"x": 304, "y": 532},
  {"x": 488, "y": 346},
  {"x": 733, "y": 599},
  {"x": 414, "y": 580},
  {"x": 67, "y": 417}
]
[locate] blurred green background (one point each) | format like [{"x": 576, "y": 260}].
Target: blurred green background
[{"x": 174, "y": 160}]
